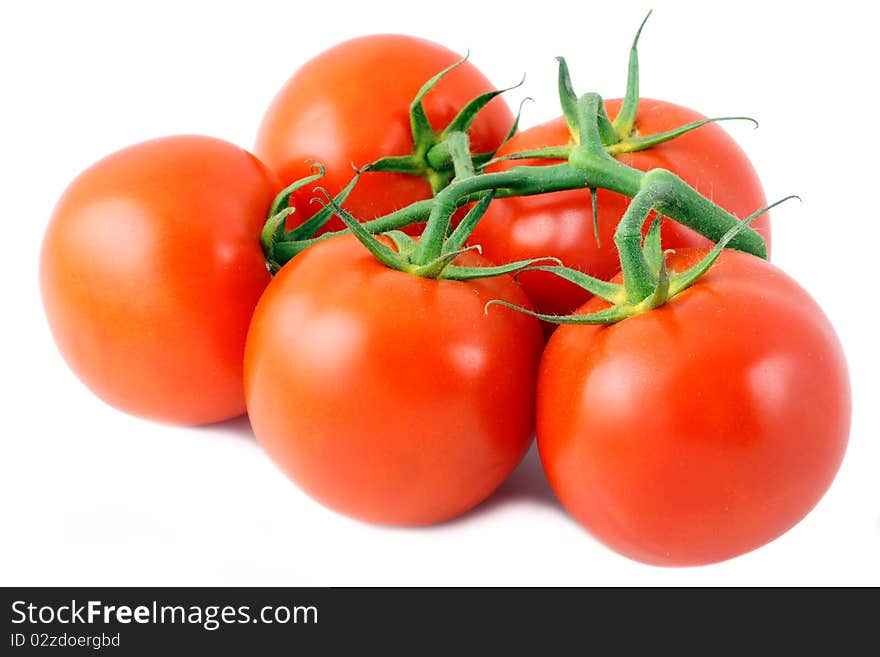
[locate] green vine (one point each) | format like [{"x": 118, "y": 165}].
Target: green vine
[{"x": 459, "y": 178}]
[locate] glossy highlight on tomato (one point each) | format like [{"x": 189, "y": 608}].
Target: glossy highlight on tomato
[
  {"x": 702, "y": 429},
  {"x": 560, "y": 224},
  {"x": 349, "y": 106},
  {"x": 389, "y": 397},
  {"x": 150, "y": 269}
]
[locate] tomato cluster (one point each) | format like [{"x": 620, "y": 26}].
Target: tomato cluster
[{"x": 695, "y": 424}]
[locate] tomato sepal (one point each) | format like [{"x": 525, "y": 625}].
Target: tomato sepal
[
  {"x": 610, "y": 292},
  {"x": 464, "y": 229},
  {"x": 647, "y": 283},
  {"x": 456, "y": 273},
  {"x": 637, "y": 143},
  {"x": 277, "y": 241},
  {"x": 402, "y": 242},
  {"x": 626, "y": 119},
  {"x": 482, "y": 160},
  {"x": 282, "y": 200},
  {"x": 402, "y": 259},
  {"x": 618, "y": 136},
  {"x": 436, "y": 155}
]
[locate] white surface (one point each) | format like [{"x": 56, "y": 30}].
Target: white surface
[{"x": 91, "y": 496}]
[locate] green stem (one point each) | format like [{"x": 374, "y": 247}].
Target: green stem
[
  {"x": 457, "y": 178},
  {"x": 459, "y": 147},
  {"x": 638, "y": 279},
  {"x": 688, "y": 207},
  {"x": 430, "y": 245},
  {"x": 589, "y": 108},
  {"x": 590, "y": 156}
]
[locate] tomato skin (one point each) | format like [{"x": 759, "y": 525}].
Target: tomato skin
[
  {"x": 150, "y": 269},
  {"x": 387, "y": 397},
  {"x": 349, "y": 106},
  {"x": 560, "y": 224},
  {"x": 702, "y": 429}
]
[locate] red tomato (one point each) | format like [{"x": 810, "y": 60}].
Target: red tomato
[
  {"x": 702, "y": 429},
  {"x": 385, "y": 396},
  {"x": 561, "y": 224},
  {"x": 150, "y": 271},
  {"x": 350, "y": 106}
]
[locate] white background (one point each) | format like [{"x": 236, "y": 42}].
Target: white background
[{"x": 92, "y": 496}]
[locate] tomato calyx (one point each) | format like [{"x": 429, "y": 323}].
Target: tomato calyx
[
  {"x": 620, "y": 135},
  {"x": 275, "y": 238},
  {"x": 404, "y": 256},
  {"x": 647, "y": 283},
  {"x": 674, "y": 197},
  {"x": 438, "y": 156}
]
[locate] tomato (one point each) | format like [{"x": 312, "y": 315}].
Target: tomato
[
  {"x": 150, "y": 270},
  {"x": 385, "y": 396},
  {"x": 702, "y": 429},
  {"x": 349, "y": 106},
  {"x": 560, "y": 224}
]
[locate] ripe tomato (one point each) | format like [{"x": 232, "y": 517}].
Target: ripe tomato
[
  {"x": 150, "y": 270},
  {"x": 385, "y": 396},
  {"x": 561, "y": 224},
  {"x": 702, "y": 429},
  {"x": 350, "y": 106}
]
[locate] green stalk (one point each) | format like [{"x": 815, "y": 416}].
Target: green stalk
[
  {"x": 638, "y": 279},
  {"x": 583, "y": 171}
]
